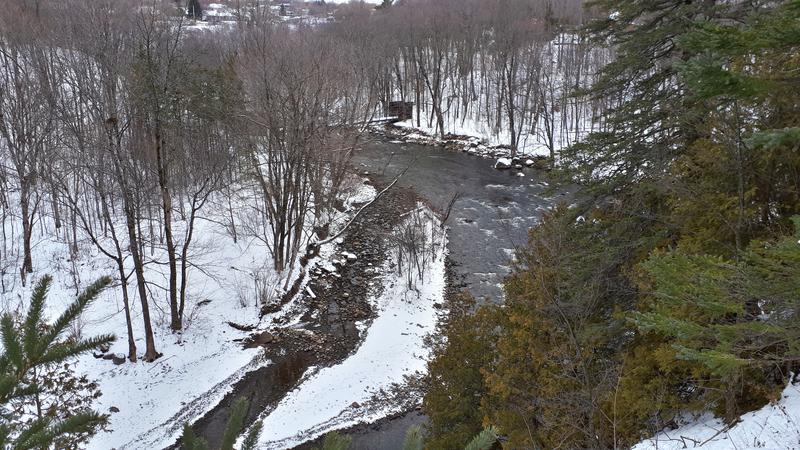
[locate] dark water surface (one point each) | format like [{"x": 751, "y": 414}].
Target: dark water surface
[{"x": 490, "y": 219}]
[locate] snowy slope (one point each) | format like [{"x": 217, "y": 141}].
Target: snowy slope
[
  {"x": 367, "y": 385},
  {"x": 149, "y": 402},
  {"x": 775, "y": 426}
]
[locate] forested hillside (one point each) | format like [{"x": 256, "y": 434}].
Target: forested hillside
[
  {"x": 262, "y": 223},
  {"x": 673, "y": 287}
]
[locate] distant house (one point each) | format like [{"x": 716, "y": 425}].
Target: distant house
[{"x": 218, "y": 12}]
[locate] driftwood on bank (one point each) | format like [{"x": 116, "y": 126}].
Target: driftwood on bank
[{"x": 314, "y": 246}]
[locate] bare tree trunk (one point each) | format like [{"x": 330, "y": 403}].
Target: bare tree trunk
[
  {"x": 166, "y": 207},
  {"x": 150, "y": 353},
  {"x": 27, "y": 231}
]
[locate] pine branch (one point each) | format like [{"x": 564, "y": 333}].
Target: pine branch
[
  {"x": 7, "y": 384},
  {"x": 413, "y": 439},
  {"x": 44, "y": 431},
  {"x": 34, "y": 318},
  {"x": 234, "y": 425},
  {"x": 73, "y": 311},
  {"x": 4, "y": 432},
  {"x": 190, "y": 441},
  {"x": 251, "y": 439},
  {"x": 17, "y": 360},
  {"x": 13, "y": 350},
  {"x": 32, "y": 433},
  {"x": 63, "y": 351},
  {"x": 484, "y": 440}
]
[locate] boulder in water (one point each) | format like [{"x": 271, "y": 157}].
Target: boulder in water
[{"x": 502, "y": 163}]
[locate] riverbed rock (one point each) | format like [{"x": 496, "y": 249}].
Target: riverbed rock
[
  {"x": 263, "y": 338},
  {"x": 502, "y": 163}
]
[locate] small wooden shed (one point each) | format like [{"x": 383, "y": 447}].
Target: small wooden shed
[{"x": 401, "y": 110}]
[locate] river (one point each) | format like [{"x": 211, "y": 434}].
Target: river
[{"x": 489, "y": 220}]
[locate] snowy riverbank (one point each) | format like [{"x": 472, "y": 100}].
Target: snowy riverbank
[
  {"x": 775, "y": 426},
  {"x": 369, "y": 384},
  {"x": 148, "y": 403}
]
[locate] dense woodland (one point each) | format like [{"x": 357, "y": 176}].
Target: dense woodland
[
  {"x": 122, "y": 125},
  {"x": 671, "y": 286}
]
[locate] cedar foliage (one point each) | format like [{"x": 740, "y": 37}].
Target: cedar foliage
[
  {"x": 456, "y": 383},
  {"x": 30, "y": 347},
  {"x": 673, "y": 287}
]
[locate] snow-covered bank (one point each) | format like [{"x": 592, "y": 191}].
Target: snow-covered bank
[
  {"x": 140, "y": 396},
  {"x": 148, "y": 403},
  {"x": 775, "y": 426},
  {"x": 359, "y": 389},
  {"x": 487, "y": 142},
  {"x": 473, "y": 145}
]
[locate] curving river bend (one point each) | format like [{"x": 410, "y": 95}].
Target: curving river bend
[
  {"x": 490, "y": 219},
  {"x": 492, "y": 215}
]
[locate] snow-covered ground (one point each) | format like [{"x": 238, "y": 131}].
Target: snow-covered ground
[
  {"x": 147, "y": 394},
  {"x": 775, "y": 426},
  {"x": 560, "y": 120},
  {"x": 149, "y": 402},
  {"x": 360, "y": 389},
  {"x": 530, "y": 145}
]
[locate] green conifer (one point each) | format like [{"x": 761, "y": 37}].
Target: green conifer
[{"x": 32, "y": 345}]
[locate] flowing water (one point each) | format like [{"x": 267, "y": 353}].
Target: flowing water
[{"x": 489, "y": 220}]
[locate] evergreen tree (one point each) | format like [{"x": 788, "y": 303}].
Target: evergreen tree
[
  {"x": 456, "y": 381},
  {"x": 712, "y": 333},
  {"x": 555, "y": 355},
  {"x": 745, "y": 76},
  {"x": 650, "y": 122},
  {"x": 194, "y": 10},
  {"x": 484, "y": 440},
  {"x": 32, "y": 345},
  {"x": 700, "y": 305},
  {"x": 234, "y": 426}
]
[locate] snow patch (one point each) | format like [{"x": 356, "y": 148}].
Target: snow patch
[
  {"x": 775, "y": 426},
  {"x": 351, "y": 392}
]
